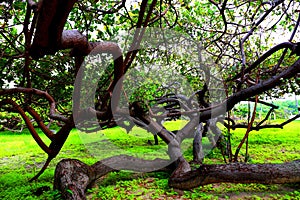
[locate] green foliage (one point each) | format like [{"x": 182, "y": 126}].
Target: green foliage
[{"x": 287, "y": 108}]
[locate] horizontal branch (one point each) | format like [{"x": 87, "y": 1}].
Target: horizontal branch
[
  {"x": 284, "y": 45},
  {"x": 259, "y": 126},
  {"x": 239, "y": 173}
]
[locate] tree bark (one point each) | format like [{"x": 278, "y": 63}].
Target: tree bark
[
  {"x": 73, "y": 177},
  {"x": 238, "y": 173},
  {"x": 198, "y": 154}
]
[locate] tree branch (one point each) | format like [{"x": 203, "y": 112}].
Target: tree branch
[{"x": 238, "y": 173}]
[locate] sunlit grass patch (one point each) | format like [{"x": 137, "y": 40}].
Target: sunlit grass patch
[{"x": 273, "y": 145}]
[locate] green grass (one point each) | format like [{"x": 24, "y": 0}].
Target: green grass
[{"x": 21, "y": 158}]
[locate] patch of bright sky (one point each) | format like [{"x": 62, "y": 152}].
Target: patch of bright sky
[{"x": 129, "y": 4}]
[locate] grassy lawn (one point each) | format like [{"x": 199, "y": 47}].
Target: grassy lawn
[{"x": 21, "y": 158}]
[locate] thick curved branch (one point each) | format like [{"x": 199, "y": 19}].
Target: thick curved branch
[
  {"x": 52, "y": 18},
  {"x": 44, "y": 94},
  {"x": 252, "y": 91},
  {"x": 276, "y": 48},
  {"x": 238, "y": 173},
  {"x": 40, "y": 122},
  {"x": 72, "y": 177}
]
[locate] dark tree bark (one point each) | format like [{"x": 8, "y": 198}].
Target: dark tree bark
[
  {"x": 73, "y": 177},
  {"x": 239, "y": 173}
]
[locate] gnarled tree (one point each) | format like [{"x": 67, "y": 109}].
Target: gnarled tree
[{"x": 44, "y": 48}]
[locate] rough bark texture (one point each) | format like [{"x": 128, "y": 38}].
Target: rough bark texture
[
  {"x": 239, "y": 173},
  {"x": 72, "y": 177}
]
